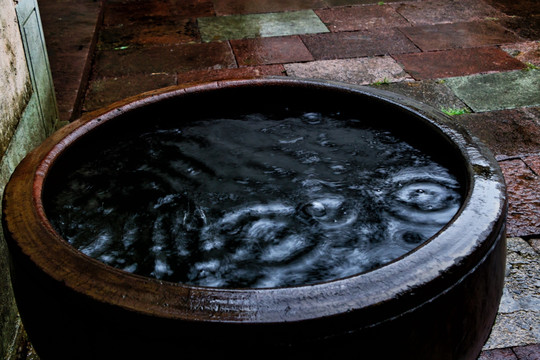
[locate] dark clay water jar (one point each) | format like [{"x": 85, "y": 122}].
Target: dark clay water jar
[{"x": 273, "y": 217}]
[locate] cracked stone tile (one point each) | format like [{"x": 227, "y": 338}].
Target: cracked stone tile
[{"x": 360, "y": 71}]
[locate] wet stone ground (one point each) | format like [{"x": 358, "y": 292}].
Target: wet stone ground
[{"x": 478, "y": 60}]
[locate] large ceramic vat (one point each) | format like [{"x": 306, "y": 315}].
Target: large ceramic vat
[{"x": 438, "y": 301}]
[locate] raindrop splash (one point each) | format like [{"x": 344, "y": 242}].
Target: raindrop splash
[{"x": 254, "y": 201}]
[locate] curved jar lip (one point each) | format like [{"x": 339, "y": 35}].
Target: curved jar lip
[{"x": 412, "y": 279}]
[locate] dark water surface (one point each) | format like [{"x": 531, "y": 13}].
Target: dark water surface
[{"x": 254, "y": 201}]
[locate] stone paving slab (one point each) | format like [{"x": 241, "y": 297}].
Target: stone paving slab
[
  {"x": 169, "y": 59},
  {"x": 506, "y": 90},
  {"x": 260, "y": 25},
  {"x": 508, "y": 133},
  {"x": 271, "y": 50},
  {"x": 229, "y": 7},
  {"x": 523, "y": 200},
  {"x": 167, "y": 32},
  {"x": 528, "y": 28},
  {"x": 516, "y": 8},
  {"x": 227, "y": 74},
  {"x": 360, "y": 71},
  {"x": 535, "y": 243},
  {"x": 459, "y": 35},
  {"x": 69, "y": 28},
  {"x": 355, "y": 18},
  {"x": 358, "y": 2},
  {"x": 458, "y": 62},
  {"x": 103, "y": 92},
  {"x": 150, "y": 12},
  {"x": 533, "y": 162},
  {"x": 526, "y": 52},
  {"x": 432, "y": 92},
  {"x": 522, "y": 279},
  {"x": 442, "y": 11},
  {"x": 498, "y": 354},
  {"x": 342, "y": 45},
  {"x": 74, "y": 70},
  {"x": 510, "y": 129},
  {"x": 528, "y": 352},
  {"x": 518, "y": 320}
]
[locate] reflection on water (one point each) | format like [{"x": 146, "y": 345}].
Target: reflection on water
[{"x": 254, "y": 201}]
